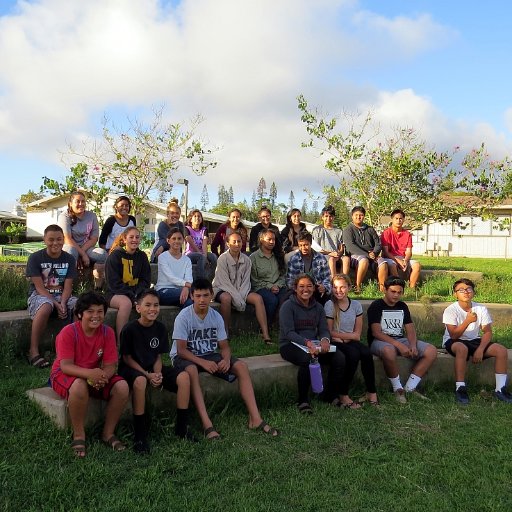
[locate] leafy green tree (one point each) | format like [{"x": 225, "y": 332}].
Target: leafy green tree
[
  {"x": 15, "y": 230},
  {"x": 261, "y": 191},
  {"x": 143, "y": 159},
  {"x": 272, "y": 195},
  {"x": 29, "y": 197},
  {"x": 383, "y": 173}
]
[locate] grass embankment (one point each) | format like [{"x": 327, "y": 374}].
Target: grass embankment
[{"x": 432, "y": 456}]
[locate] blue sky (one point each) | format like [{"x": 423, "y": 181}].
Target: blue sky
[{"x": 439, "y": 66}]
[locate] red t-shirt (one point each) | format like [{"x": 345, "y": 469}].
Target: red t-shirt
[
  {"x": 86, "y": 351},
  {"x": 396, "y": 243}
]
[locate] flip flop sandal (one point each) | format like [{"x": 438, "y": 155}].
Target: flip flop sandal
[
  {"x": 38, "y": 361},
  {"x": 114, "y": 443},
  {"x": 305, "y": 408},
  {"x": 208, "y": 431},
  {"x": 350, "y": 405},
  {"x": 267, "y": 429},
  {"x": 374, "y": 403},
  {"x": 78, "y": 447},
  {"x": 268, "y": 341}
]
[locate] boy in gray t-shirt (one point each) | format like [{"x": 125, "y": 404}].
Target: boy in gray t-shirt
[{"x": 200, "y": 344}]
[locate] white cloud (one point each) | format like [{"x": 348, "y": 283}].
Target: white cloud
[{"x": 240, "y": 64}]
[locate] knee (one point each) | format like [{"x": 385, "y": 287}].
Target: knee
[
  {"x": 120, "y": 389},
  {"x": 240, "y": 368},
  {"x": 183, "y": 380},
  {"x": 79, "y": 389},
  {"x": 501, "y": 351},
  {"x": 388, "y": 353},
  {"x": 140, "y": 383},
  {"x": 431, "y": 353},
  {"x": 192, "y": 372}
]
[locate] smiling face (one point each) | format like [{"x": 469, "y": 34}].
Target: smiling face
[
  {"x": 148, "y": 308},
  {"x": 295, "y": 218},
  {"x": 77, "y": 203},
  {"x": 54, "y": 241},
  {"x": 196, "y": 220},
  {"x": 92, "y": 318},
  {"x": 328, "y": 219},
  {"x": 122, "y": 208},
  {"x": 131, "y": 240},
  {"x": 234, "y": 219},
  {"x": 234, "y": 243},
  {"x": 265, "y": 218},
  {"x": 340, "y": 288},
  {"x": 304, "y": 289},
  {"x": 173, "y": 215},
  {"x": 175, "y": 242}
]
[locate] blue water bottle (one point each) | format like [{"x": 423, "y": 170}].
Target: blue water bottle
[{"x": 315, "y": 372}]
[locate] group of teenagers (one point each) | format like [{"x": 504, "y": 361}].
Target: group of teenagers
[{"x": 317, "y": 318}]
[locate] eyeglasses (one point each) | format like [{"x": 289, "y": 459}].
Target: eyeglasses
[{"x": 464, "y": 290}]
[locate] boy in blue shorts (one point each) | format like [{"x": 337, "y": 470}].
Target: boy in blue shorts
[
  {"x": 142, "y": 343},
  {"x": 468, "y": 334},
  {"x": 51, "y": 272},
  {"x": 200, "y": 344}
]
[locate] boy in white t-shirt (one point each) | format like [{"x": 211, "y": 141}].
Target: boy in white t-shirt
[{"x": 468, "y": 334}]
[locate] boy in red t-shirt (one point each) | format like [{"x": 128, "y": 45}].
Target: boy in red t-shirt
[{"x": 86, "y": 366}]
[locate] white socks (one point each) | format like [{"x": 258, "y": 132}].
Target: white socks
[
  {"x": 412, "y": 382},
  {"x": 501, "y": 381},
  {"x": 395, "y": 382}
]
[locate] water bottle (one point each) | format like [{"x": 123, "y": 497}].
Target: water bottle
[{"x": 315, "y": 372}]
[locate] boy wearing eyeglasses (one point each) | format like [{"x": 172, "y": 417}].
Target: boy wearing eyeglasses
[{"x": 468, "y": 333}]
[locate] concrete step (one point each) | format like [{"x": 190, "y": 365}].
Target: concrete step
[{"x": 266, "y": 372}]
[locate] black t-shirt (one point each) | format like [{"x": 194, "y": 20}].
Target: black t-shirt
[
  {"x": 391, "y": 318},
  {"x": 143, "y": 344}
]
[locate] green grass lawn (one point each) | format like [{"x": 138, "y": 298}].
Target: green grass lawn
[{"x": 429, "y": 456}]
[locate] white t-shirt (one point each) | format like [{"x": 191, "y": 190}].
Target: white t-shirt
[
  {"x": 202, "y": 335},
  {"x": 455, "y": 315}
]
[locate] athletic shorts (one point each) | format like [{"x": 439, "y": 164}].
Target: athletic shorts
[
  {"x": 169, "y": 377},
  {"x": 471, "y": 344},
  {"x": 181, "y": 364},
  {"x": 378, "y": 346},
  {"x": 35, "y": 301},
  {"x": 61, "y": 383},
  {"x": 374, "y": 264}
]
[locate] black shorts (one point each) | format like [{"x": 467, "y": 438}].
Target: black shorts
[
  {"x": 180, "y": 364},
  {"x": 471, "y": 344},
  {"x": 169, "y": 377}
]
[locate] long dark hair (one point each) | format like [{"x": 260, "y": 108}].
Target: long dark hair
[
  {"x": 191, "y": 214},
  {"x": 73, "y": 219}
]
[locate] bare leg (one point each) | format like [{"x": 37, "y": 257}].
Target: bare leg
[
  {"x": 247, "y": 392},
  {"x": 393, "y": 270},
  {"x": 362, "y": 269},
  {"x": 78, "y": 401},
  {"x": 261, "y": 315},
  {"x": 124, "y": 308},
  {"x": 98, "y": 273},
  {"x": 388, "y": 356},
  {"x": 118, "y": 398},
  {"x": 39, "y": 324},
  {"x": 415, "y": 275},
  {"x": 423, "y": 365},
  {"x": 197, "y": 396},
  {"x": 332, "y": 264},
  {"x": 183, "y": 393},
  {"x": 225, "y": 309},
  {"x": 382, "y": 274},
  {"x": 139, "y": 395},
  {"x": 499, "y": 352},
  {"x": 345, "y": 263},
  {"x": 461, "y": 353}
]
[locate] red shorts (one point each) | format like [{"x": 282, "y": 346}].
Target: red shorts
[{"x": 62, "y": 382}]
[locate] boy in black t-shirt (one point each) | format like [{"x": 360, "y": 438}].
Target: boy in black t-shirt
[
  {"x": 391, "y": 332},
  {"x": 51, "y": 272},
  {"x": 142, "y": 343}
]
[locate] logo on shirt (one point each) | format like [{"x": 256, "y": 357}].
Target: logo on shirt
[
  {"x": 154, "y": 343},
  {"x": 99, "y": 353},
  {"x": 392, "y": 323}
]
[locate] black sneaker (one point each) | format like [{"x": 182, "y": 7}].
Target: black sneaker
[
  {"x": 461, "y": 395},
  {"x": 141, "y": 447},
  {"x": 503, "y": 395}
]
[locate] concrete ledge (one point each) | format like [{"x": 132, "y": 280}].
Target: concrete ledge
[
  {"x": 15, "y": 325},
  {"x": 266, "y": 371}
]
